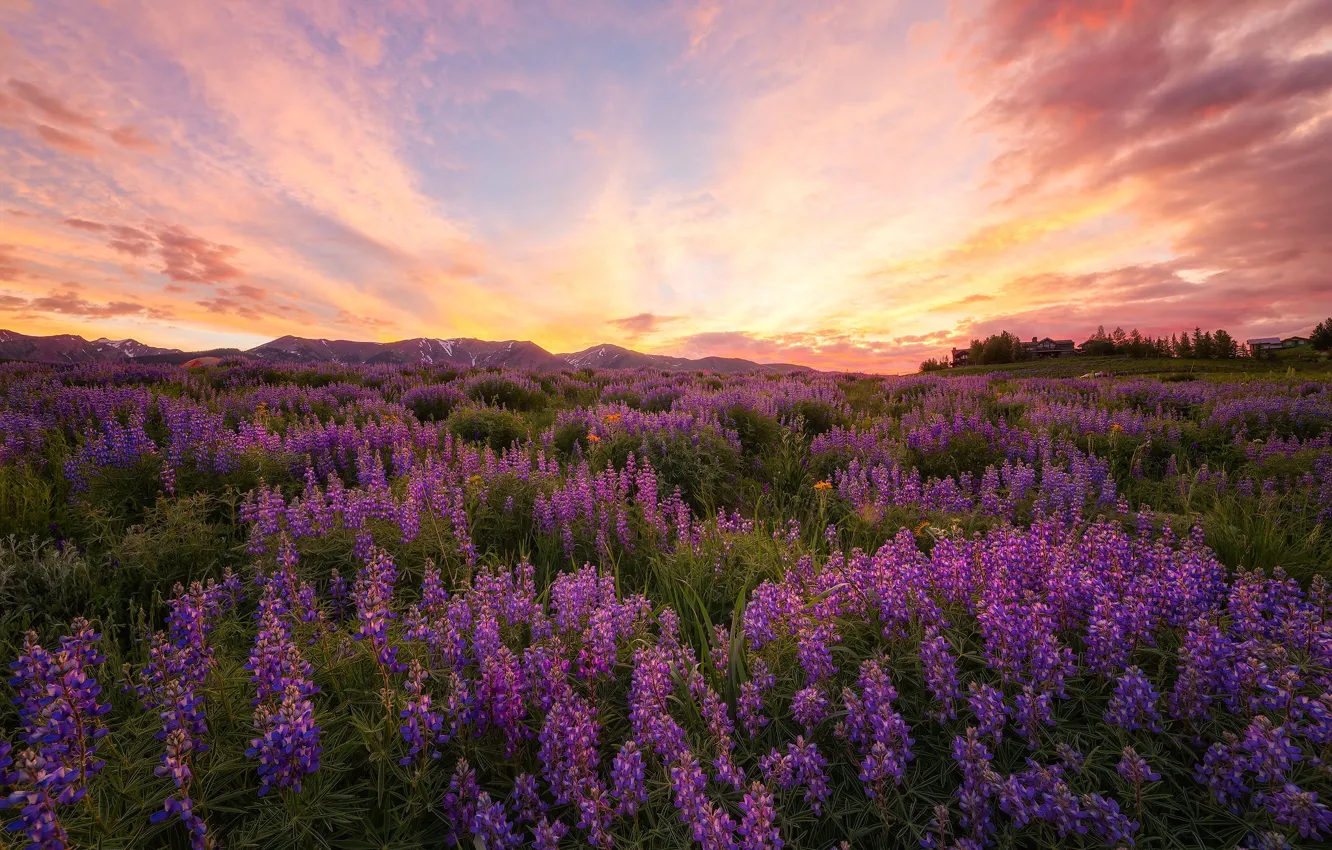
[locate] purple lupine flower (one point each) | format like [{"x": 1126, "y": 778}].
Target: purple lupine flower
[
  {"x": 1301, "y": 810},
  {"x": 424, "y": 727},
  {"x": 373, "y": 595},
  {"x": 460, "y": 800},
  {"x": 525, "y": 800},
  {"x": 715, "y": 828},
  {"x": 569, "y": 749},
  {"x": 176, "y": 764},
  {"x": 491, "y": 826},
  {"x": 1134, "y": 704},
  {"x": 809, "y": 706},
  {"x": 987, "y": 703},
  {"x": 1107, "y": 822},
  {"x": 1134, "y": 768},
  {"x": 722, "y": 731},
  {"x": 940, "y": 669},
  {"x": 937, "y": 838},
  {"x": 1222, "y": 771},
  {"x": 979, "y": 782},
  {"x": 758, "y": 820},
  {"x": 1033, "y": 710},
  {"x": 37, "y": 808},
  {"x": 1205, "y": 664},
  {"x": 337, "y": 594},
  {"x": 1040, "y": 793},
  {"x": 59, "y": 711},
  {"x": 288, "y": 745},
  {"x": 814, "y": 649},
  {"x": 1070, "y": 758},
  {"x": 721, "y": 648},
  {"x": 800, "y": 765},
  {"x": 750, "y": 707},
  {"x": 628, "y": 780},
  {"x": 547, "y": 671},
  {"x": 546, "y": 834},
  {"x": 276, "y": 662},
  {"x": 1268, "y": 750},
  {"x": 878, "y": 731},
  {"x": 594, "y": 816},
  {"x": 687, "y": 784},
  {"x": 500, "y": 693}
]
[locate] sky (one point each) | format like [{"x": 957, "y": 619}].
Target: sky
[{"x": 848, "y": 185}]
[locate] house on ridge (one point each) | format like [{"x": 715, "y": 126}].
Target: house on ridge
[
  {"x": 1045, "y": 348},
  {"x": 1262, "y": 345}
]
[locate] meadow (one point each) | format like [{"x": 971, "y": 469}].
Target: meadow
[{"x": 257, "y": 605}]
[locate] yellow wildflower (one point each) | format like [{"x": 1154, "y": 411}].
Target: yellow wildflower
[
  {"x": 593, "y": 438},
  {"x": 823, "y": 485}
]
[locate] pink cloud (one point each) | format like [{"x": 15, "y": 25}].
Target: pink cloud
[
  {"x": 642, "y": 323},
  {"x": 84, "y": 224},
  {"x": 70, "y": 303},
  {"x": 51, "y": 107},
  {"x": 67, "y": 142}
]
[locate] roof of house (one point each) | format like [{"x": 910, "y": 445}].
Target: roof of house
[
  {"x": 1289, "y": 338},
  {"x": 1267, "y": 340}
]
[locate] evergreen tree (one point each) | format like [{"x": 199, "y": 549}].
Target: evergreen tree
[
  {"x": 1321, "y": 338},
  {"x": 1207, "y": 350},
  {"x": 1224, "y": 345},
  {"x": 1184, "y": 348}
]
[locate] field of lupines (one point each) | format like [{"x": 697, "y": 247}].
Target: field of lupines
[{"x": 286, "y": 606}]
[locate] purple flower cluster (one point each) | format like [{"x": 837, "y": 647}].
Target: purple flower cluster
[
  {"x": 61, "y": 721},
  {"x": 877, "y": 730}
]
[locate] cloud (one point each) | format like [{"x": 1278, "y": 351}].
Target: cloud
[
  {"x": 189, "y": 258},
  {"x": 133, "y": 138},
  {"x": 50, "y": 106},
  {"x": 977, "y": 298},
  {"x": 9, "y": 269},
  {"x": 84, "y": 224},
  {"x": 67, "y": 142},
  {"x": 642, "y": 323},
  {"x": 70, "y": 303},
  {"x": 186, "y": 258},
  {"x": 71, "y": 136}
]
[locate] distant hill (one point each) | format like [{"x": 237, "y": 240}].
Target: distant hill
[
  {"x": 67, "y": 348},
  {"x": 617, "y": 357},
  {"x": 463, "y": 353}
]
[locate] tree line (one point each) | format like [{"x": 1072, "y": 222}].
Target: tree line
[{"x": 1198, "y": 344}]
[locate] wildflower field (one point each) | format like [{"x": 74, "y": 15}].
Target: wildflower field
[{"x": 255, "y": 606}]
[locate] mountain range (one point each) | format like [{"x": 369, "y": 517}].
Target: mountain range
[{"x": 465, "y": 353}]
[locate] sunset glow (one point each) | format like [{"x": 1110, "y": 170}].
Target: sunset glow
[{"x": 854, "y": 185}]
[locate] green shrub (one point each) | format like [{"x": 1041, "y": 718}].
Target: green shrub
[
  {"x": 571, "y": 434},
  {"x": 756, "y": 430},
  {"x": 965, "y": 453},
  {"x": 502, "y": 392},
  {"x": 703, "y": 465},
  {"x": 817, "y": 417},
  {"x": 498, "y": 429}
]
